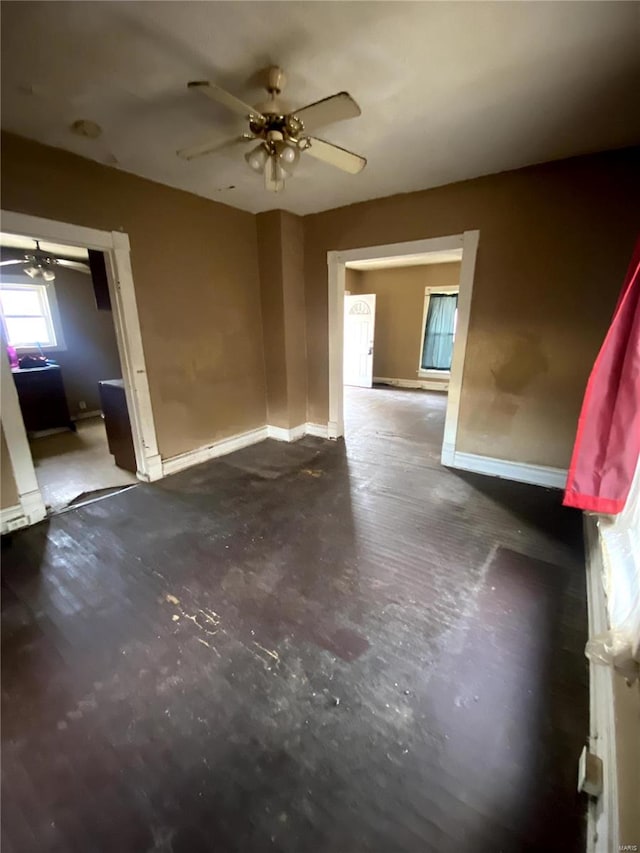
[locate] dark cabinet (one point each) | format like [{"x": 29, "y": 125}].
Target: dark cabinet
[
  {"x": 43, "y": 401},
  {"x": 117, "y": 423}
]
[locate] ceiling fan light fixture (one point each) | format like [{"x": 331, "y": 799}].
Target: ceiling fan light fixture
[
  {"x": 48, "y": 275},
  {"x": 32, "y": 271},
  {"x": 288, "y": 156},
  {"x": 279, "y": 173},
  {"x": 274, "y": 175},
  {"x": 257, "y": 158},
  {"x": 284, "y": 134}
]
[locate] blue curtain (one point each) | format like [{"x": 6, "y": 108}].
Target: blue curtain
[{"x": 437, "y": 349}]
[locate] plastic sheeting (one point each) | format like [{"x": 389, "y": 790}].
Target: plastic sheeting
[
  {"x": 620, "y": 543},
  {"x": 607, "y": 443}
]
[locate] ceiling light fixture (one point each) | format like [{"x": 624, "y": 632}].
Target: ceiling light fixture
[
  {"x": 282, "y": 135},
  {"x": 275, "y": 159},
  {"x": 257, "y": 158},
  {"x": 38, "y": 263},
  {"x": 36, "y": 270}
]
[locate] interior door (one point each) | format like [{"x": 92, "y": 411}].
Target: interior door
[{"x": 359, "y": 327}]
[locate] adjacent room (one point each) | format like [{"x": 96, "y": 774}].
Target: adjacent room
[
  {"x": 60, "y": 337},
  {"x": 400, "y": 319},
  {"x": 320, "y": 427}
]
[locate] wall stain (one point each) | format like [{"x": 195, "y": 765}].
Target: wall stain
[{"x": 521, "y": 366}]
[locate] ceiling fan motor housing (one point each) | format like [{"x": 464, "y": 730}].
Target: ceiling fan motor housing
[{"x": 276, "y": 80}]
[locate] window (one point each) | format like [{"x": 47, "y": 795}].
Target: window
[
  {"x": 440, "y": 316},
  {"x": 30, "y": 317}
]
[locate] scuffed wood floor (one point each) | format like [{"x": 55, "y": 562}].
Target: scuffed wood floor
[{"x": 317, "y": 647}]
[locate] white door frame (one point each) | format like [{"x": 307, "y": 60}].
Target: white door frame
[
  {"x": 116, "y": 248},
  {"x": 336, "y": 261}
]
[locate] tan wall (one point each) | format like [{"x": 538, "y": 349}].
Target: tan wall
[
  {"x": 352, "y": 280},
  {"x": 195, "y": 269},
  {"x": 272, "y": 300},
  {"x": 91, "y": 352},
  {"x": 281, "y": 259},
  {"x": 8, "y": 489},
  {"x": 555, "y": 241},
  {"x": 294, "y": 309},
  {"x": 399, "y": 313}
]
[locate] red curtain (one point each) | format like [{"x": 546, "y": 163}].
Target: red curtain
[{"x": 607, "y": 444}]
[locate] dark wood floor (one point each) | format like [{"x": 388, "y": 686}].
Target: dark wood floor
[{"x": 320, "y": 647}]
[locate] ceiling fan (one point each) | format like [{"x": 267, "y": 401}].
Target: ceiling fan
[
  {"x": 38, "y": 263},
  {"x": 282, "y": 135}
]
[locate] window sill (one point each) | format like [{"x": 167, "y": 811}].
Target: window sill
[
  {"x": 36, "y": 350},
  {"x": 445, "y": 375}
]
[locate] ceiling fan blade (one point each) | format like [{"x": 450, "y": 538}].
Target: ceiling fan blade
[
  {"x": 73, "y": 265},
  {"x": 8, "y": 263},
  {"x": 226, "y": 99},
  {"x": 334, "y": 155},
  {"x": 210, "y": 146},
  {"x": 328, "y": 110}
]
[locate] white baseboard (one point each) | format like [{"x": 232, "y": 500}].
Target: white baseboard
[
  {"x": 284, "y": 434},
  {"x": 45, "y": 433},
  {"x": 319, "y": 430},
  {"x": 12, "y": 518},
  {"x": 211, "y": 451},
  {"x": 602, "y": 813},
  {"x": 335, "y": 429},
  {"x": 424, "y": 384},
  {"x": 155, "y": 469},
  {"x": 295, "y": 433},
  {"x": 80, "y": 416},
  {"x": 30, "y": 510},
  {"x": 237, "y": 442},
  {"x": 521, "y": 472}
]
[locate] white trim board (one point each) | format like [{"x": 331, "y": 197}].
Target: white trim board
[
  {"x": 284, "y": 434},
  {"x": 12, "y": 518},
  {"x": 602, "y": 813},
  {"x": 319, "y": 430},
  {"x": 237, "y": 442},
  {"x": 336, "y": 262},
  {"x": 116, "y": 248},
  {"x": 521, "y": 472},
  {"x": 424, "y": 384},
  {"x": 212, "y": 451},
  {"x": 31, "y": 503},
  {"x": 83, "y": 415},
  {"x": 296, "y": 433}
]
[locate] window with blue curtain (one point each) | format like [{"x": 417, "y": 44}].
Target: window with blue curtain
[{"x": 439, "y": 332}]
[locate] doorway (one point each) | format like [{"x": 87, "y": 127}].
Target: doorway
[
  {"x": 342, "y": 354},
  {"x": 82, "y": 440},
  {"x": 359, "y": 335}
]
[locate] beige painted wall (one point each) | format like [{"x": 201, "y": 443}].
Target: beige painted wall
[
  {"x": 195, "y": 268},
  {"x": 294, "y": 310},
  {"x": 8, "y": 489},
  {"x": 555, "y": 241},
  {"x": 272, "y": 301},
  {"x": 554, "y": 244},
  {"x": 91, "y": 353},
  {"x": 281, "y": 260},
  {"x": 399, "y": 313}
]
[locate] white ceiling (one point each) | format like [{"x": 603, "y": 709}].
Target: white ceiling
[
  {"x": 13, "y": 241},
  {"x": 448, "y": 91},
  {"x": 423, "y": 260}
]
